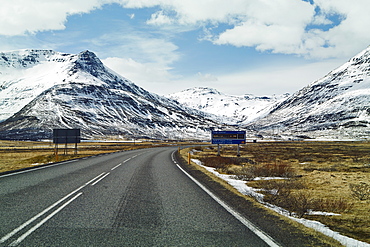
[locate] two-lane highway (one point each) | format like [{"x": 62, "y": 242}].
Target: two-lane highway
[{"x": 133, "y": 198}]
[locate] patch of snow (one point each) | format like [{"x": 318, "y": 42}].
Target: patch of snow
[
  {"x": 243, "y": 188},
  {"x": 268, "y": 178},
  {"x": 311, "y": 212},
  {"x": 37, "y": 164}
]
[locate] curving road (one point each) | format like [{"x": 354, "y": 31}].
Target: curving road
[{"x": 133, "y": 198}]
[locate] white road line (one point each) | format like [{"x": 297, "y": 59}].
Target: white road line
[
  {"x": 16, "y": 230},
  {"x": 37, "y": 168},
  {"x": 97, "y": 181},
  {"x": 21, "y": 238},
  {"x": 266, "y": 238},
  {"x": 9, "y": 235},
  {"x": 116, "y": 166},
  {"x": 126, "y": 160},
  {"x": 94, "y": 178}
]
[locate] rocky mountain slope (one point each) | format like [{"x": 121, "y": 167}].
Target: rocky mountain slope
[
  {"x": 42, "y": 89},
  {"x": 337, "y": 105},
  {"x": 243, "y": 109}
]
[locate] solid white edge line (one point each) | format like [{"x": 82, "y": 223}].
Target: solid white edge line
[
  {"x": 266, "y": 238},
  {"x": 97, "y": 181},
  {"x": 26, "y": 234}
]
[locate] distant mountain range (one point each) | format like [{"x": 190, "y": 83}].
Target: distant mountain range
[
  {"x": 242, "y": 109},
  {"x": 43, "y": 89}
]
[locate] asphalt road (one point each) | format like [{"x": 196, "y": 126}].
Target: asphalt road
[{"x": 133, "y": 198}]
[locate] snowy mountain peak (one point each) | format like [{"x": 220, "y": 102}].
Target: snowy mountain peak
[
  {"x": 41, "y": 90},
  {"x": 201, "y": 91},
  {"x": 240, "y": 108},
  {"x": 24, "y": 58}
]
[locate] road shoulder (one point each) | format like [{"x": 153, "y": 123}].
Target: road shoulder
[{"x": 285, "y": 231}]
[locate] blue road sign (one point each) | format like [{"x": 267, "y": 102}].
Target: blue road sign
[{"x": 228, "y": 137}]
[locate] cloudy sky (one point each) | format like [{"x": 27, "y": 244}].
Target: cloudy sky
[{"x": 236, "y": 46}]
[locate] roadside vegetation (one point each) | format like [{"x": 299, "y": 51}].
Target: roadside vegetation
[
  {"x": 323, "y": 181},
  {"x": 21, "y": 154}
]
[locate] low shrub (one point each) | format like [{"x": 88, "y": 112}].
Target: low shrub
[
  {"x": 331, "y": 205},
  {"x": 250, "y": 172},
  {"x": 360, "y": 191},
  {"x": 219, "y": 162}
]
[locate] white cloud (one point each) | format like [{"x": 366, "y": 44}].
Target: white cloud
[
  {"x": 136, "y": 71},
  {"x": 153, "y": 77},
  {"x": 271, "y": 79},
  {"x": 276, "y": 79},
  {"x": 206, "y": 77},
  {"x": 18, "y": 17},
  {"x": 140, "y": 46},
  {"x": 132, "y": 16},
  {"x": 159, "y": 18},
  {"x": 279, "y": 26}
]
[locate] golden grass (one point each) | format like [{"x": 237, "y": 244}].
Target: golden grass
[
  {"x": 326, "y": 169},
  {"x": 20, "y": 154}
]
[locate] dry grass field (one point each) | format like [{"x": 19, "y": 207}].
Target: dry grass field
[
  {"x": 19, "y": 154},
  {"x": 321, "y": 176}
]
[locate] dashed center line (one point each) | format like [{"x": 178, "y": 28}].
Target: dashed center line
[{"x": 92, "y": 182}]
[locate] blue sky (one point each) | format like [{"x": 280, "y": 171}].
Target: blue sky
[{"x": 236, "y": 46}]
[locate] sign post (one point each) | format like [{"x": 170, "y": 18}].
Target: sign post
[
  {"x": 65, "y": 136},
  {"x": 228, "y": 137}
]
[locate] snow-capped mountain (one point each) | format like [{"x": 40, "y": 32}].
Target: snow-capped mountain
[
  {"x": 43, "y": 89},
  {"x": 243, "y": 109},
  {"x": 337, "y": 105}
]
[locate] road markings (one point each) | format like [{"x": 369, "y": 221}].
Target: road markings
[
  {"x": 97, "y": 181},
  {"x": 93, "y": 182},
  {"x": 116, "y": 166},
  {"x": 94, "y": 179},
  {"x": 266, "y": 238},
  {"x": 28, "y": 222},
  {"x": 9, "y": 235},
  {"x": 36, "y": 168},
  {"x": 124, "y": 162},
  {"x": 34, "y": 228}
]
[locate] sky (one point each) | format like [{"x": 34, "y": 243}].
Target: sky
[{"x": 238, "y": 47}]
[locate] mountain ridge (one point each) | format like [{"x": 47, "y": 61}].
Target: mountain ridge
[
  {"x": 337, "y": 102},
  {"x": 80, "y": 91}
]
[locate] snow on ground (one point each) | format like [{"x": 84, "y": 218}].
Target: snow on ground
[{"x": 243, "y": 188}]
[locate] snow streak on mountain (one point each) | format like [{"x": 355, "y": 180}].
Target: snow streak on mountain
[
  {"x": 338, "y": 105},
  {"x": 42, "y": 89}
]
